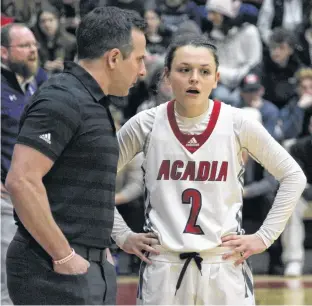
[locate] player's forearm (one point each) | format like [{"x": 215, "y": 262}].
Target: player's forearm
[
  {"x": 129, "y": 142},
  {"x": 278, "y": 162},
  {"x": 291, "y": 188},
  {"x": 31, "y": 204},
  {"x": 120, "y": 230},
  {"x": 130, "y": 191}
]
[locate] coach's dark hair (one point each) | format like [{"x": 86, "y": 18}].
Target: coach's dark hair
[
  {"x": 189, "y": 40},
  {"x": 106, "y": 28}
]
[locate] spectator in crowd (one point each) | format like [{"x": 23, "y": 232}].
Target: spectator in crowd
[
  {"x": 304, "y": 45},
  {"x": 279, "y": 67},
  {"x": 71, "y": 15},
  {"x": 157, "y": 36},
  {"x": 137, "y": 95},
  {"x": 20, "y": 77},
  {"x": 136, "y": 5},
  {"x": 198, "y": 9},
  {"x": 7, "y": 14},
  {"x": 86, "y": 6},
  {"x": 304, "y": 90},
  {"x": 288, "y": 14},
  {"x": 175, "y": 13},
  {"x": 239, "y": 48},
  {"x": 249, "y": 12},
  {"x": 251, "y": 91},
  {"x": 19, "y": 11},
  {"x": 295, "y": 115},
  {"x": 294, "y": 233},
  {"x": 160, "y": 90},
  {"x": 56, "y": 44}
]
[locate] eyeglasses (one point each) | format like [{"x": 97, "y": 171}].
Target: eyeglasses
[{"x": 26, "y": 45}]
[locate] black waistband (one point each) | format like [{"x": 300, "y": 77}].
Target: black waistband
[{"x": 89, "y": 253}]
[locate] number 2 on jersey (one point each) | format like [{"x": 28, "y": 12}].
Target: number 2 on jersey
[{"x": 193, "y": 197}]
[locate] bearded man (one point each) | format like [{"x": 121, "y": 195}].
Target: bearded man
[{"x": 20, "y": 77}]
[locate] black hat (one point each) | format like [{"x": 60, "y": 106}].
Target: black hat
[{"x": 251, "y": 82}]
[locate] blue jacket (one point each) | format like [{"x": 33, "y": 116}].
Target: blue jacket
[
  {"x": 13, "y": 101},
  {"x": 270, "y": 116},
  {"x": 291, "y": 119}
]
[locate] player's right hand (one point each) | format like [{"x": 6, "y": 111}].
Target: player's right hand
[
  {"x": 76, "y": 265},
  {"x": 138, "y": 244}
]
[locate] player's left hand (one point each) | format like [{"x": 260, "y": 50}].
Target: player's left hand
[
  {"x": 138, "y": 244},
  {"x": 245, "y": 245}
]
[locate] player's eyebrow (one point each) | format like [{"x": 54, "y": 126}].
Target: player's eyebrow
[{"x": 188, "y": 64}]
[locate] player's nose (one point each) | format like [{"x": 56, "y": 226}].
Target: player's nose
[{"x": 194, "y": 77}]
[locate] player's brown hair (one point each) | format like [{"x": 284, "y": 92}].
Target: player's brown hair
[{"x": 190, "y": 40}]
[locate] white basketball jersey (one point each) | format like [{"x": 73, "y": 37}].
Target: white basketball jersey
[{"x": 193, "y": 182}]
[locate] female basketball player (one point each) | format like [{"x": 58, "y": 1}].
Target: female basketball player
[{"x": 193, "y": 173}]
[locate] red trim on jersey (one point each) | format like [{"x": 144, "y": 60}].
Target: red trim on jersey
[{"x": 193, "y": 142}]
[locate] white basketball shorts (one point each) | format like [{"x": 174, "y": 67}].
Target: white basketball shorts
[{"x": 218, "y": 283}]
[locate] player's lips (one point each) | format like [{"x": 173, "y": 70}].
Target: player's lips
[{"x": 193, "y": 90}]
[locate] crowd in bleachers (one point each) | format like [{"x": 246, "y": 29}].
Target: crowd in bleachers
[{"x": 265, "y": 55}]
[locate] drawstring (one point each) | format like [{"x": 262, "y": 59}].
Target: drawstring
[{"x": 188, "y": 256}]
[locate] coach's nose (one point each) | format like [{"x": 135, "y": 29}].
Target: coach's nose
[{"x": 142, "y": 71}]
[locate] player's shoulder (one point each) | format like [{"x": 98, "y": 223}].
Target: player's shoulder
[
  {"x": 151, "y": 112},
  {"x": 240, "y": 116},
  {"x": 227, "y": 108}
]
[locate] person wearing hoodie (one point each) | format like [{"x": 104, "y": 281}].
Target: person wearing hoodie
[
  {"x": 288, "y": 14},
  {"x": 56, "y": 44},
  {"x": 279, "y": 68},
  {"x": 239, "y": 47}
]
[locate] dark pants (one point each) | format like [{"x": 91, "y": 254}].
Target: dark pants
[{"x": 32, "y": 281}]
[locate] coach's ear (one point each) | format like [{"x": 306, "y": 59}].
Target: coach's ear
[{"x": 113, "y": 57}]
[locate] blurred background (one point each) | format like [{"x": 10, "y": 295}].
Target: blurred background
[{"x": 265, "y": 54}]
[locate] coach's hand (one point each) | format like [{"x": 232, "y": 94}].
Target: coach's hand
[
  {"x": 245, "y": 245},
  {"x": 139, "y": 243},
  {"x": 76, "y": 265}
]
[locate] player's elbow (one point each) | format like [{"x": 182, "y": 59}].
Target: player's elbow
[
  {"x": 301, "y": 180},
  {"x": 15, "y": 181},
  {"x": 304, "y": 179}
]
